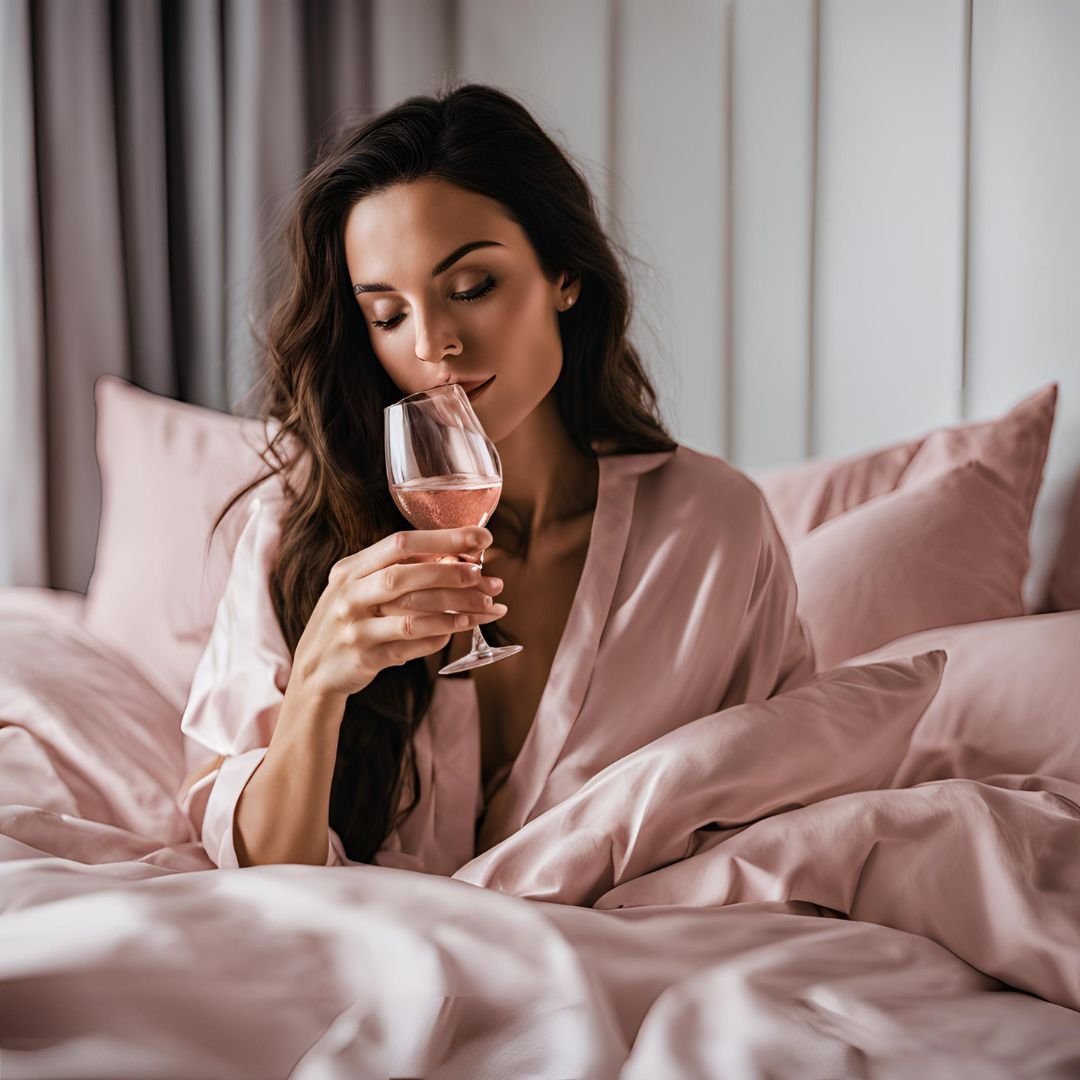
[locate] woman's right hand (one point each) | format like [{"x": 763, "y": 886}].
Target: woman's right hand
[{"x": 388, "y": 603}]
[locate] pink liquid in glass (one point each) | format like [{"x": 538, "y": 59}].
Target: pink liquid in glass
[{"x": 448, "y": 502}]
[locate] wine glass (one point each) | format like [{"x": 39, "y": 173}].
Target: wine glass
[{"x": 444, "y": 473}]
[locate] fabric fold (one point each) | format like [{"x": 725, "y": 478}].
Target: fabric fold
[{"x": 844, "y": 731}]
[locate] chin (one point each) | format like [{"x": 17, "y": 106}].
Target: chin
[{"x": 501, "y": 424}]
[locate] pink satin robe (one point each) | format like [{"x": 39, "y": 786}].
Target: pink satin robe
[{"x": 686, "y": 605}]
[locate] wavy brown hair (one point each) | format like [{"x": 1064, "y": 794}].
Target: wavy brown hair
[{"x": 324, "y": 385}]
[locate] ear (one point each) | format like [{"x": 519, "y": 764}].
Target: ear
[{"x": 569, "y": 288}]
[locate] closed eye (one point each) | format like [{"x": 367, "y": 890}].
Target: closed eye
[{"x": 465, "y": 297}]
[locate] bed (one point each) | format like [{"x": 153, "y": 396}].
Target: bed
[{"x": 871, "y": 875}]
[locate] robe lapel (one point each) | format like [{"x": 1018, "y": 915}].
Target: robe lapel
[{"x": 511, "y": 805}]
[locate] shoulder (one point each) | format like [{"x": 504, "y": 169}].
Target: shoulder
[
  {"x": 697, "y": 508},
  {"x": 709, "y": 484},
  {"x": 273, "y": 486},
  {"x": 251, "y": 528}
]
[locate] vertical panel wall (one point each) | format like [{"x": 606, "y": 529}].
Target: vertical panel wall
[
  {"x": 671, "y": 139},
  {"x": 556, "y": 56},
  {"x": 1024, "y": 289},
  {"x": 889, "y": 258},
  {"x": 774, "y": 90},
  {"x": 414, "y": 42}
]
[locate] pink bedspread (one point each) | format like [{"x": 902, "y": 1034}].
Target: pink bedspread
[{"x": 928, "y": 931}]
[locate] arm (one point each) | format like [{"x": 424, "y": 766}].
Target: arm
[
  {"x": 775, "y": 652},
  {"x": 247, "y": 713},
  {"x": 282, "y": 814},
  {"x": 269, "y": 731}
]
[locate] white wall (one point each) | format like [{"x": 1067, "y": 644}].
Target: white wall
[
  {"x": 854, "y": 219},
  {"x": 1023, "y": 284},
  {"x": 861, "y": 217}
]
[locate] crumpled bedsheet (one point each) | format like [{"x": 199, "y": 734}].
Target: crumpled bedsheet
[{"x": 918, "y": 932}]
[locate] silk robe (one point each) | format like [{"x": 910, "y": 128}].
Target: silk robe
[{"x": 686, "y": 605}]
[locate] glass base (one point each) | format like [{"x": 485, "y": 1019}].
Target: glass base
[{"x": 479, "y": 659}]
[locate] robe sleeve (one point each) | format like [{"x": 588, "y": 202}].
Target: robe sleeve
[
  {"x": 774, "y": 651},
  {"x": 237, "y": 691}
]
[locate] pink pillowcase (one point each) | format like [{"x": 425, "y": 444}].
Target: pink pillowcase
[
  {"x": 1009, "y": 700},
  {"x": 950, "y": 550},
  {"x": 167, "y": 469},
  {"x": 802, "y": 497}
]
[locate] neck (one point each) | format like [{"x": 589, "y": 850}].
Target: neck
[{"x": 547, "y": 481}]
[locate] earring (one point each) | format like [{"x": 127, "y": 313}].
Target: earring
[{"x": 569, "y": 301}]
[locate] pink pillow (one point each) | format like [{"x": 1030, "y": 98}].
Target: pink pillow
[
  {"x": 952, "y": 550},
  {"x": 802, "y": 497},
  {"x": 1064, "y": 586},
  {"x": 167, "y": 468},
  {"x": 1009, "y": 700}
]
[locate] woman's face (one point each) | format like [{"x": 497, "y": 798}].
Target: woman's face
[{"x": 437, "y": 313}]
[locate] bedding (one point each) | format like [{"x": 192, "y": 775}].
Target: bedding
[
  {"x": 867, "y": 870},
  {"x": 1005, "y": 703},
  {"x": 1015, "y": 446},
  {"x": 951, "y": 550},
  {"x": 870, "y": 931},
  {"x": 845, "y": 730},
  {"x": 156, "y": 582},
  {"x": 805, "y": 496}
]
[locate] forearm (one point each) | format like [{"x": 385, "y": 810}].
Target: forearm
[{"x": 282, "y": 815}]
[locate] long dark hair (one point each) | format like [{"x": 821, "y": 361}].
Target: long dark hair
[{"x": 324, "y": 385}]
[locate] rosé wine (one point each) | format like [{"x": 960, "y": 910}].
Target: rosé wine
[{"x": 448, "y": 502}]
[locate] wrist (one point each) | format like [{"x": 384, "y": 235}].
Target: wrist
[
  {"x": 306, "y": 697},
  {"x": 307, "y": 680}
]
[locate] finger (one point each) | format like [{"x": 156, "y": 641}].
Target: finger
[
  {"x": 384, "y": 593},
  {"x": 410, "y": 543},
  {"x": 411, "y": 627},
  {"x": 376, "y": 592},
  {"x": 396, "y": 653},
  {"x": 425, "y": 600}
]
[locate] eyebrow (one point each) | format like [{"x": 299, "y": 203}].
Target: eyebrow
[{"x": 459, "y": 253}]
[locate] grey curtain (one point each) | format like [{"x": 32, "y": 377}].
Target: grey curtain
[{"x": 150, "y": 148}]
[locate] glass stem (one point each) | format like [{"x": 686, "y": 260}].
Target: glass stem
[{"x": 479, "y": 644}]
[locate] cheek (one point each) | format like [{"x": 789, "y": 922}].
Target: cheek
[
  {"x": 525, "y": 324},
  {"x": 400, "y": 364}
]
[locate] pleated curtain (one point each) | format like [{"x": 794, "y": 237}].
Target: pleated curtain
[{"x": 150, "y": 151}]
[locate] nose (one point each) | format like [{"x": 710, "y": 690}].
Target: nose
[{"x": 436, "y": 338}]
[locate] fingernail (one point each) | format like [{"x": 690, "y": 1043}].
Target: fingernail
[
  {"x": 493, "y": 584},
  {"x": 461, "y": 620}
]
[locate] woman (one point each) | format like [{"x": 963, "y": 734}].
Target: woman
[{"x": 450, "y": 240}]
